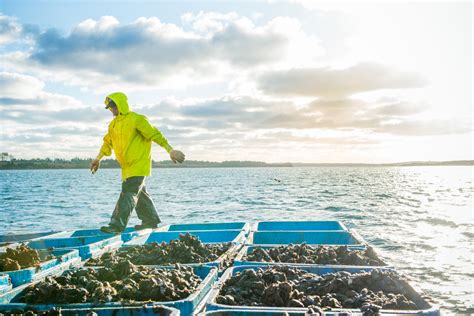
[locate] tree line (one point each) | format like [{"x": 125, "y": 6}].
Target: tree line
[{"x": 80, "y": 163}]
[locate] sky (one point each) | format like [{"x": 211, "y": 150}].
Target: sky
[{"x": 274, "y": 81}]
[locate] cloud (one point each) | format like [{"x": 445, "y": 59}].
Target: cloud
[
  {"x": 395, "y": 117},
  {"x": 217, "y": 121},
  {"x": 298, "y": 137},
  {"x": 149, "y": 53},
  {"x": 226, "y": 125},
  {"x": 249, "y": 114},
  {"x": 423, "y": 127},
  {"x": 336, "y": 83},
  {"x": 349, "y": 109},
  {"x": 399, "y": 109},
  {"x": 31, "y": 114},
  {"x": 53, "y": 133},
  {"x": 10, "y": 29},
  {"x": 14, "y": 85},
  {"x": 238, "y": 113},
  {"x": 20, "y": 92},
  {"x": 46, "y": 117}
]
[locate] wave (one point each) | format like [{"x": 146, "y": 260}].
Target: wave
[
  {"x": 439, "y": 222},
  {"x": 468, "y": 234},
  {"x": 383, "y": 195}
]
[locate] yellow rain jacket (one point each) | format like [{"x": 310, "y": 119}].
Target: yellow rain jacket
[{"x": 130, "y": 136}]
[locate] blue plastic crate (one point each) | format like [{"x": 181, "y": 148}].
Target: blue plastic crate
[
  {"x": 209, "y": 226},
  {"x": 299, "y": 225},
  {"x": 5, "y": 288},
  {"x": 212, "y": 305},
  {"x": 156, "y": 310},
  {"x": 15, "y": 238},
  {"x": 128, "y": 234},
  {"x": 88, "y": 246},
  {"x": 5, "y": 284},
  {"x": 207, "y": 237},
  {"x": 238, "y": 261},
  {"x": 186, "y": 306},
  {"x": 4, "y": 279},
  {"x": 65, "y": 259},
  {"x": 309, "y": 237}
]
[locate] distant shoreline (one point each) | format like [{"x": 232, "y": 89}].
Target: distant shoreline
[{"x": 19, "y": 164}]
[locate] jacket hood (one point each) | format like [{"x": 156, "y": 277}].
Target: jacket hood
[{"x": 121, "y": 101}]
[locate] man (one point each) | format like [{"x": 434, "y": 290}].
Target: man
[{"x": 130, "y": 135}]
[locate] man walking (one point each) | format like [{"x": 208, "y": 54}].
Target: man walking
[{"x": 130, "y": 135}]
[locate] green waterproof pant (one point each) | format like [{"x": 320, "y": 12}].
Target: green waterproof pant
[{"x": 134, "y": 196}]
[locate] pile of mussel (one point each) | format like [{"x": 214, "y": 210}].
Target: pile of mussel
[
  {"x": 121, "y": 281},
  {"x": 284, "y": 286},
  {"x": 303, "y": 253},
  {"x": 32, "y": 312},
  {"x": 187, "y": 249},
  {"x": 18, "y": 258}
]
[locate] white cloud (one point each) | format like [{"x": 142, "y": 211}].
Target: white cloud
[
  {"x": 229, "y": 125},
  {"x": 14, "y": 85},
  {"x": 208, "y": 23},
  {"x": 20, "y": 92},
  {"x": 149, "y": 54},
  {"x": 336, "y": 83},
  {"x": 10, "y": 29},
  {"x": 104, "y": 24}
]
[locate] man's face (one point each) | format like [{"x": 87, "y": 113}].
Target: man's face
[
  {"x": 114, "y": 110},
  {"x": 110, "y": 104}
]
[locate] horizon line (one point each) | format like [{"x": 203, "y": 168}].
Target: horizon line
[{"x": 470, "y": 161}]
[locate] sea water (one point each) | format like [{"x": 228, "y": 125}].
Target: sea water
[{"x": 419, "y": 218}]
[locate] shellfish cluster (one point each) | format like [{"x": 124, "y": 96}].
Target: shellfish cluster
[
  {"x": 121, "y": 281},
  {"x": 32, "y": 312},
  {"x": 187, "y": 249},
  {"x": 18, "y": 258},
  {"x": 303, "y": 253},
  {"x": 284, "y": 286}
]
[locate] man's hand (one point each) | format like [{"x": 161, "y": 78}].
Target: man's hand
[
  {"x": 176, "y": 156},
  {"x": 95, "y": 165}
]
